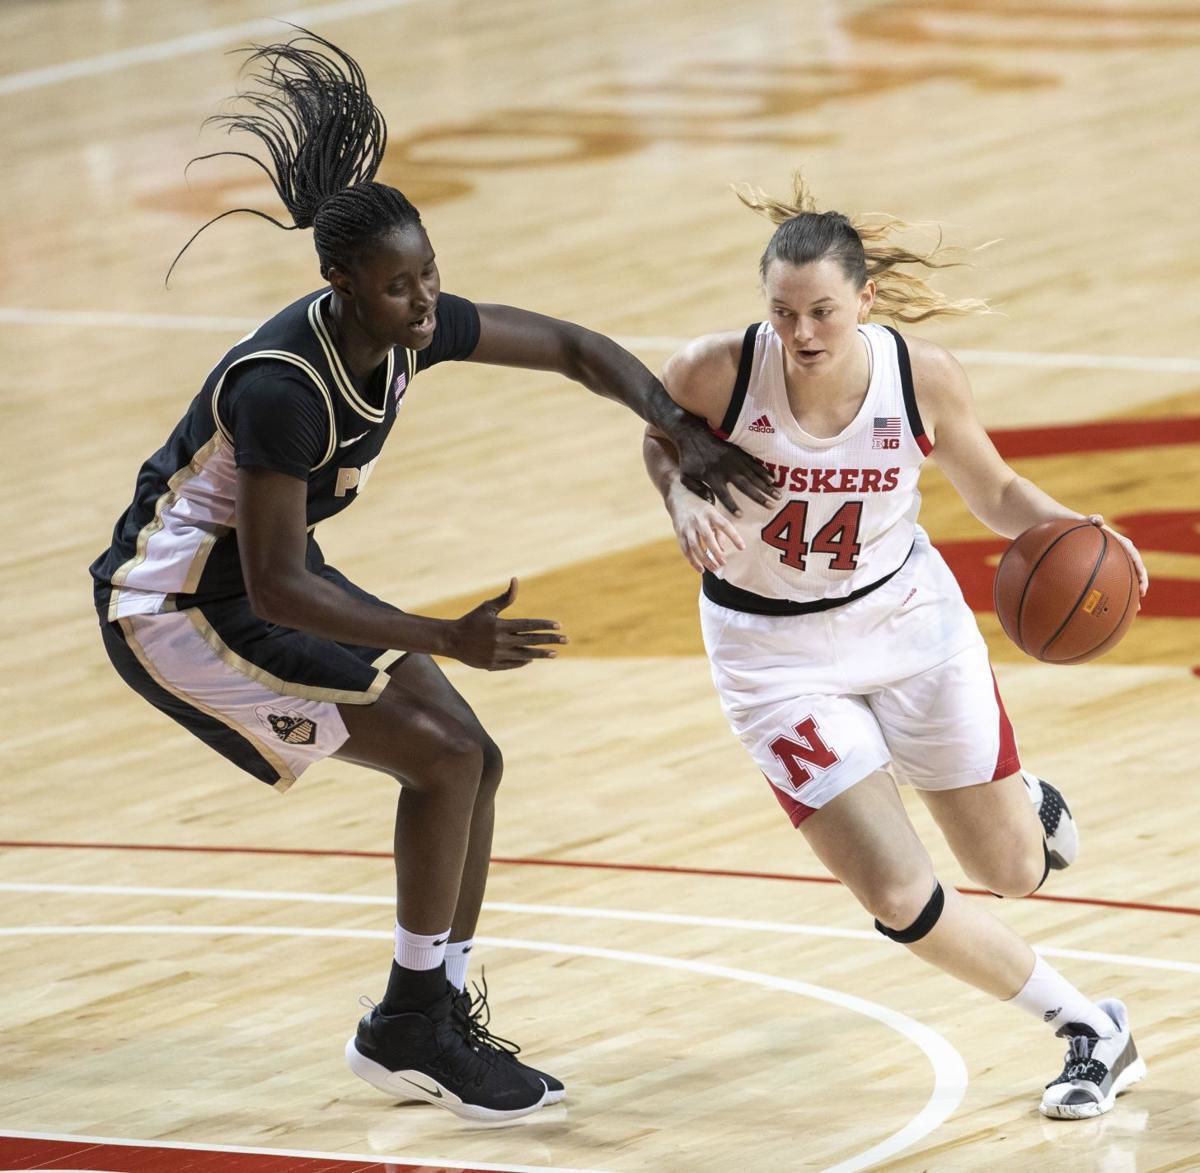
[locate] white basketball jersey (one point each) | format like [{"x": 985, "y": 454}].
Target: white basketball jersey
[{"x": 847, "y": 517}]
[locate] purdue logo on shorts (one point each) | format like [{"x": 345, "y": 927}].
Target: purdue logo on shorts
[{"x": 289, "y": 727}]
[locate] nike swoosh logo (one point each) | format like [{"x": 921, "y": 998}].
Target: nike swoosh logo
[
  {"x": 352, "y": 440},
  {"x": 436, "y": 1092},
  {"x": 442, "y": 941}
]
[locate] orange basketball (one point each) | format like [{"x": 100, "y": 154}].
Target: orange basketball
[{"x": 1066, "y": 592}]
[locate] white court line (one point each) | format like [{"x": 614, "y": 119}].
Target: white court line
[
  {"x": 949, "y": 1070},
  {"x": 561, "y": 910},
  {"x": 32, "y": 79},
  {"x": 104, "y": 320},
  {"x": 373, "y": 1158}
]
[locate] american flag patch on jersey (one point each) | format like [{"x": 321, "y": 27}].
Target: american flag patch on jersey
[
  {"x": 398, "y": 387},
  {"x": 886, "y": 433}
]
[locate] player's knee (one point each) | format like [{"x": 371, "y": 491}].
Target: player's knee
[
  {"x": 1017, "y": 870},
  {"x": 897, "y": 905},
  {"x": 493, "y": 766},
  {"x": 450, "y": 757},
  {"x": 460, "y": 759},
  {"x": 906, "y": 926}
]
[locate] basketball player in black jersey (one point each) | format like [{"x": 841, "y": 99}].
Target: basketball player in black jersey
[{"x": 217, "y": 606}]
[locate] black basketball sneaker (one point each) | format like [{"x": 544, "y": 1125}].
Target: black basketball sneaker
[
  {"x": 1062, "y": 834},
  {"x": 426, "y": 1055},
  {"x": 472, "y": 1015}
]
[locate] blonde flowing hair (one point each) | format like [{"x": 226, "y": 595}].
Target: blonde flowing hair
[{"x": 864, "y": 249}]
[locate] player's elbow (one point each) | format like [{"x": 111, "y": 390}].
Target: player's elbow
[
  {"x": 272, "y": 598},
  {"x": 581, "y": 351}
]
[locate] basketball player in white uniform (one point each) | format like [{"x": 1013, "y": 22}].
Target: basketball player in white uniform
[{"x": 845, "y": 656}]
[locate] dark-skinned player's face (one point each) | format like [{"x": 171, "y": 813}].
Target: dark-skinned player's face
[{"x": 393, "y": 288}]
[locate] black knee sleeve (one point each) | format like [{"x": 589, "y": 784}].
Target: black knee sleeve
[{"x": 929, "y": 916}]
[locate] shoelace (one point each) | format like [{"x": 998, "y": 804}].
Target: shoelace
[
  {"x": 475, "y": 1068},
  {"x": 1080, "y": 1065},
  {"x": 478, "y": 1015}
]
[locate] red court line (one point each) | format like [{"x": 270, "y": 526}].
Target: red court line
[
  {"x": 114, "y": 1157},
  {"x": 595, "y": 865}
]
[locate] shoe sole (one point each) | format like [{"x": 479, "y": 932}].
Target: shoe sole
[
  {"x": 414, "y": 1085},
  {"x": 1132, "y": 1074}
]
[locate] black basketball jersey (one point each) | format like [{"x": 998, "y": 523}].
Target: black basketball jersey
[{"x": 280, "y": 399}]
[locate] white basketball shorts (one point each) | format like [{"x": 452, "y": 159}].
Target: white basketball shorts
[{"x": 899, "y": 679}]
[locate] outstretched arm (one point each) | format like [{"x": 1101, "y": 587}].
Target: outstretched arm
[
  {"x": 1004, "y": 501},
  {"x": 701, "y": 376},
  {"x": 272, "y": 537},
  {"x": 518, "y": 338}
]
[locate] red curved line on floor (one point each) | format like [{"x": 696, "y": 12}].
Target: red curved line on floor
[{"x": 661, "y": 869}]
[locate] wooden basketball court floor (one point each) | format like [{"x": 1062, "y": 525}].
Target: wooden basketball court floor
[{"x": 182, "y": 951}]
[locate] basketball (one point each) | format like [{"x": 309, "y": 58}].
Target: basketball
[{"x": 1066, "y": 592}]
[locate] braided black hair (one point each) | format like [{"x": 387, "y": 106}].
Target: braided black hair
[{"x": 326, "y": 141}]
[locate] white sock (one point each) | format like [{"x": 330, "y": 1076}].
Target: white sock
[
  {"x": 1049, "y": 996},
  {"x": 458, "y": 956},
  {"x": 420, "y": 951}
]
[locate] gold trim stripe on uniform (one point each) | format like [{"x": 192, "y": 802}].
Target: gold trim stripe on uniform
[
  {"x": 179, "y": 478},
  {"x": 345, "y": 384},
  {"x": 307, "y": 692},
  {"x": 286, "y": 777},
  {"x": 308, "y": 369}
]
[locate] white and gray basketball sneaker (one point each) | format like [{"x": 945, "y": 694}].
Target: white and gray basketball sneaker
[
  {"x": 1062, "y": 834},
  {"x": 1097, "y": 1070}
]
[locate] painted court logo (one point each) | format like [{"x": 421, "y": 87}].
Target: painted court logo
[{"x": 291, "y": 728}]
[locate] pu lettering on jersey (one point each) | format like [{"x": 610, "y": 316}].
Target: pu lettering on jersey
[
  {"x": 353, "y": 478},
  {"x": 847, "y": 517}
]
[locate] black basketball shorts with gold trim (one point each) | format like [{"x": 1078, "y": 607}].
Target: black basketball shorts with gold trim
[{"x": 265, "y": 697}]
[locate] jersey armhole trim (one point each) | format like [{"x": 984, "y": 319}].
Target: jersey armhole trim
[
  {"x": 309, "y": 370},
  {"x": 911, "y": 410},
  {"x": 742, "y": 382},
  {"x": 341, "y": 376}
]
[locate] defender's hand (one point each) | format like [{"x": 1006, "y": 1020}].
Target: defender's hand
[
  {"x": 706, "y": 461},
  {"x": 1130, "y": 549},
  {"x": 483, "y": 640}
]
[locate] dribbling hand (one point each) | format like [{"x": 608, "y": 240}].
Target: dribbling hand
[
  {"x": 482, "y": 639},
  {"x": 1130, "y": 549}
]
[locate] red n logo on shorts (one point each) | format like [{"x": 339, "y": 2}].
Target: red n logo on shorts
[{"x": 810, "y": 749}]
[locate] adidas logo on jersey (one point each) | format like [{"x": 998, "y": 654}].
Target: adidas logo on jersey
[{"x": 762, "y": 424}]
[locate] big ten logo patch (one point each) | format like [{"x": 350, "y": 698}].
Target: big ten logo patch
[
  {"x": 291, "y": 728},
  {"x": 353, "y": 478}
]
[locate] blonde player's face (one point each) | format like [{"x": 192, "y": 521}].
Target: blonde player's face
[{"x": 815, "y": 309}]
